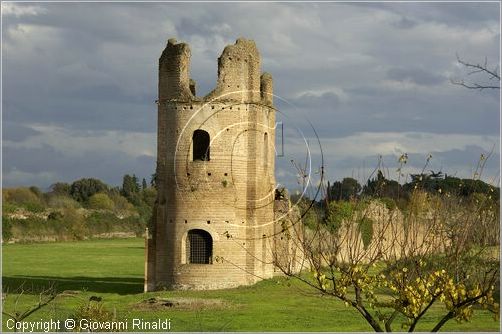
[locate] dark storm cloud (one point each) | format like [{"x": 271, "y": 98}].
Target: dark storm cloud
[
  {"x": 82, "y": 114},
  {"x": 416, "y": 75},
  {"x": 450, "y": 13},
  {"x": 470, "y": 156},
  {"x": 456, "y": 14},
  {"x": 72, "y": 63},
  {"x": 91, "y": 69},
  {"x": 17, "y": 132},
  {"x": 380, "y": 110},
  {"x": 95, "y": 23},
  {"x": 109, "y": 166},
  {"x": 405, "y": 23},
  {"x": 48, "y": 159}
]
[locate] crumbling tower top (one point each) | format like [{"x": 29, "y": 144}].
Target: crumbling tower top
[
  {"x": 239, "y": 72},
  {"x": 174, "y": 72},
  {"x": 239, "y": 75}
]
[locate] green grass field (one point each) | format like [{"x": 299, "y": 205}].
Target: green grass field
[{"x": 113, "y": 270}]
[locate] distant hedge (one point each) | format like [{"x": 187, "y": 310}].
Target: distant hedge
[{"x": 69, "y": 224}]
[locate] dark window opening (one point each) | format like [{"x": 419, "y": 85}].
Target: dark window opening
[
  {"x": 265, "y": 149},
  {"x": 200, "y": 145},
  {"x": 199, "y": 247}
]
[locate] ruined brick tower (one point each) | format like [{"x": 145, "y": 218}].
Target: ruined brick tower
[{"x": 214, "y": 213}]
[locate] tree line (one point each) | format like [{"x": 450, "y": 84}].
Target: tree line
[
  {"x": 382, "y": 187},
  {"x": 77, "y": 210}
]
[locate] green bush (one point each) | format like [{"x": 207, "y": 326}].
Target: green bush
[
  {"x": 311, "y": 218},
  {"x": 389, "y": 203},
  {"x": 34, "y": 207},
  {"x": 6, "y": 229},
  {"x": 76, "y": 223},
  {"x": 101, "y": 222},
  {"x": 60, "y": 188},
  {"x": 62, "y": 202},
  {"x": 365, "y": 225},
  {"x": 8, "y": 207},
  {"x": 337, "y": 212},
  {"x": 32, "y": 227},
  {"x": 106, "y": 222},
  {"x": 121, "y": 204},
  {"x": 82, "y": 189},
  {"x": 23, "y": 197},
  {"x": 145, "y": 212},
  {"x": 149, "y": 196},
  {"x": 100, "y": 201},
  {"x": 36, "y": 191}
]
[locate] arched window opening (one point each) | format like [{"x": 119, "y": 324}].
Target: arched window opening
[
  {"x": 201, "y": 142},
  {"x": 199, "y": 247}
]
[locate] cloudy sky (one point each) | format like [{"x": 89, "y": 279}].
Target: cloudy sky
[{"x": 80, "y": 79}]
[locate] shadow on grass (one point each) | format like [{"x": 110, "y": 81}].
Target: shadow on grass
[{"x": 119, "y": 285}]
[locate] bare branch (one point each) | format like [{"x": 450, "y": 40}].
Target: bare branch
[
  {"x": 45, "y": 296},
  {"x": 492, "y": 74}
]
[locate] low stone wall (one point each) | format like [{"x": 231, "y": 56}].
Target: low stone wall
[{"x": 393, "y": 237}]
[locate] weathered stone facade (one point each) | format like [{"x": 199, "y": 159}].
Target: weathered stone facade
[{"x": 213, "y": 224}]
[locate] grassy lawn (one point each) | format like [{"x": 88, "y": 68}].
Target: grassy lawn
[{"x": 113, "y": 270}]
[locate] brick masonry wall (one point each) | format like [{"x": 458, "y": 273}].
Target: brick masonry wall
[{"x": 231, "y": 196}]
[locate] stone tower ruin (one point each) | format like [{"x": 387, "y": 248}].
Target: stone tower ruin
[{"x": 214, "y": 213}]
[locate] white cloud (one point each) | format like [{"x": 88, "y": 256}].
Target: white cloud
[
  {"x": 339, "y": 92},
  {"x": 86, "y": 67},
  {"x": 397, "y": 143},
  {"x": 76, "y": 144},
  {"x": 12, "y": 9}
]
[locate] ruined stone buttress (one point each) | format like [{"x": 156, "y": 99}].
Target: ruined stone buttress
[{"x": 214, "y": 214}]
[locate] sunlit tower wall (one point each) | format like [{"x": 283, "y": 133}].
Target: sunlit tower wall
[{"x": 213, "y": 221}]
